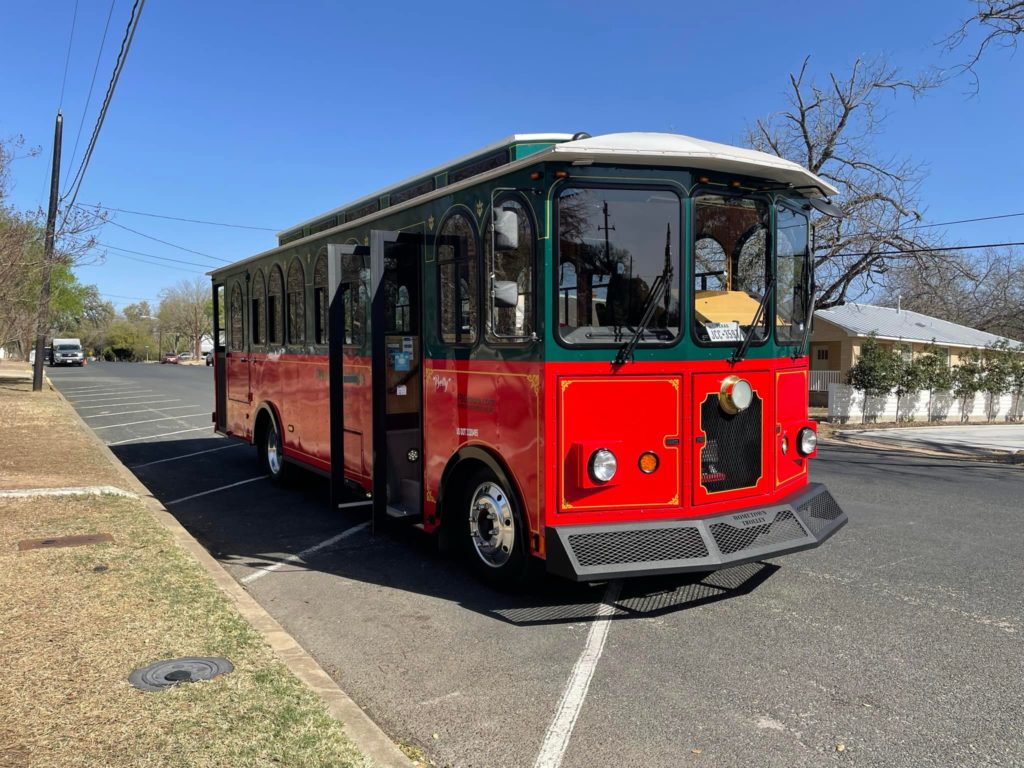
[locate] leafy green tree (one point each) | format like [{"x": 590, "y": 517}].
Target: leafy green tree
[
  {"x": 936, "y": 376},
  {"x": 996, "y": 370},
  {"x": 875, "y": 371},
  {"x": 908, "y": 379},
  {"x": 1016, "y": 381},
  {"x": 967, "y": 380}
]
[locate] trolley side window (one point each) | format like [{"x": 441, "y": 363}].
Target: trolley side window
[
  {"x": 456, "y": 256},
  {"x": 257, "y": 324},
  {"x": 320, "y": 330},
  {"x": 509, "y": 273},
  {"x": 236, "y": 311},
  {"x": 275, "y": 306},
  {"x": 296, "y": 303}
]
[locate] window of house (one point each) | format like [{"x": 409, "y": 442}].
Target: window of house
[
  {"x": 296, "y": 304},
  {"x": 275, "y": 306},
  {"x": 906, "y": 352},
  {"x": 456, "y": 256},
  {"x": 320, "y": 302},
  {"x": 257, "y": 323},
  {"x": 823, "y": 354}
]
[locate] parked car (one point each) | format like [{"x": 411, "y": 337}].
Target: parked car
[
  {"x": 186, "y": 356},
  {"x": 209, "y": 357},
  {"x": 170, "y": 357}
]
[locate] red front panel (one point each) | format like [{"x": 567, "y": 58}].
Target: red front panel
[{"x": 630, "y": 416}]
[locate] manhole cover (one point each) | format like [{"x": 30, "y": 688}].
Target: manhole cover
[
  {"x": 164, "y": 674},
  {"x": 64, "y": 541}
]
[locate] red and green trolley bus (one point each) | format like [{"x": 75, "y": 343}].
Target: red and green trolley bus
[{"x": 586, "y": 351}]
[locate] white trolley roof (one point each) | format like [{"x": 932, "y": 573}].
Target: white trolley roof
[{"x": 676, "y": 149}]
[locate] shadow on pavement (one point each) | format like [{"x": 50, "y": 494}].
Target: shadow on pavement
[{"x": 258, "y": 524}]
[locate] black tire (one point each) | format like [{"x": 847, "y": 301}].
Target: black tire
[
  {"x": 271, "y": 452},
  {"x": 490, "y": 527}
]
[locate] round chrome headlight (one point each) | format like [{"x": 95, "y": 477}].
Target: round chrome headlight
[
  {"x": 602, "y": 465},
  {"x": 807, "y": 441},
  {"x": 735, "y": 394}
]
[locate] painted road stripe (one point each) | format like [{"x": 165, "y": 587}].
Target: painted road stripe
[
  {"x": 115, "y": 405},
  {"x": 186, "y": 456},
  {"x": 141, "y": 410},
  {"x": 150, "y": 421},
  {"x": 127, "y": 395},
  {"x": 215, "y": 490},
  {"x": 556, "y": 740},
  {"x": 166, "y": 434},
  {"x": 303, "y": 554},
  {"x": 104, "y": 392}
]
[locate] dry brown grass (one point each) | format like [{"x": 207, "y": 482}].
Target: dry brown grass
[
  {"x": 71, "y": 632},
  {"x": 43, "y": 446}
]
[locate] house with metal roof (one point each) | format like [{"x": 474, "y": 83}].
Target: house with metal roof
[{"x": 839, "y": 332}]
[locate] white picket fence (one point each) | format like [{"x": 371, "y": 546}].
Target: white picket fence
[{"x": 846, "y": 404}]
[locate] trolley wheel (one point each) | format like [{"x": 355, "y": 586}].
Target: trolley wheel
[
  {"x": 494, "y": 535},
  {"x": 272, "y": 453}
]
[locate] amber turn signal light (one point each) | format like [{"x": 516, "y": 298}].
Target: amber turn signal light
[{"x": 648, "y": 462}]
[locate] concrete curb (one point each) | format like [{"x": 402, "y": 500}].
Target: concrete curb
[{"x": 364, "y": 733}]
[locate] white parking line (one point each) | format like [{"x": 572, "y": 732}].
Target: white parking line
[
  {"x": 126, "y": 395},
  {"x": 167, "y": 434},
  {"x": 144, "y": 402},
  {"x": 303, "y": 554},
  {"x": 215, "y": 490},
  {"x": 141, "y": 410},
  {"x": 150, "y": 421},
  {"x": 186, "y": 456},
  {"x": 556, "y": 740}
]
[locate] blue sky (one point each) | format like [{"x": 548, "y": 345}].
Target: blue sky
[{"x": 266, "y": 114}]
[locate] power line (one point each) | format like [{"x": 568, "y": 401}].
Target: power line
[
  {"x": 177, "y": 218},
  {"x": 154, "y": 256},
  {"x": 165, "y": 242},
  {"x": 154, "y": 263},
  {"x": 95, "y": 69},
  {"x": 937, "y": 249},
  {"x": 962, "y": 221},
  {"x": 126, "y": 43},
  {"x": 67, "y": 58}
]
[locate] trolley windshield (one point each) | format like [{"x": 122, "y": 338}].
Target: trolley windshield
[{"x": 613, "y": 245}]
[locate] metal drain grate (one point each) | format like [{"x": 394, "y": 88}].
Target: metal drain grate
[{"x": 190, "y": 669}]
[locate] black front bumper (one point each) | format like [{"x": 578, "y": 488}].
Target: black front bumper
[{"x": 598, "y": 552}]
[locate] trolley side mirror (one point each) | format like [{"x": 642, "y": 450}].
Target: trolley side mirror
[
  {"x": 505, "y": 293},
  {"x": 506, "y": 230}
]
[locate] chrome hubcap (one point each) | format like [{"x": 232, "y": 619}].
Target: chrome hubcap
[
  {"x": 492, "y": 527},
  {"x": 273, "y": 452}
]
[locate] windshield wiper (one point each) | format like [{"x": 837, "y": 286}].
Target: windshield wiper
[
  {"x": 807, "y": 328},
  {"x": 740, "y": 351},
  {"x": 650, "y": 307}
]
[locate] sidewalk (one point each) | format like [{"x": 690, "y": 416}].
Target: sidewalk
[
  {"x": 76, "y": 620},
  {"x": 980, "y": 441}
]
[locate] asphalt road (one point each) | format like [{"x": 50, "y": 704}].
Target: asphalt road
[{"x": 897, "y": 643}]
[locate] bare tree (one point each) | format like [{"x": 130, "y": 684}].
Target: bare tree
[
  {"x": 983, "y": 292},
  {"x": 830, "y": 130},
  {"x": 187, "y": 310},
  {"x": 999, "y": 22}
]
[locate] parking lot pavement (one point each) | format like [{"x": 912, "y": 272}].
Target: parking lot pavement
[
  {"x": 899, "y": 640},
  {"x": 965, "y": 438}
]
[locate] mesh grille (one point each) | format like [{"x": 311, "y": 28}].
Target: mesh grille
[
  {"x": 731, "y": 539},
  {"x": 820, "y": 511},
  {"x": 647, "y": 545},
  {"x": 731, "y": 458}
]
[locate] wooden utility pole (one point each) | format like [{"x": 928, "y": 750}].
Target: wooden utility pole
[{"x": 43, "y": 318}]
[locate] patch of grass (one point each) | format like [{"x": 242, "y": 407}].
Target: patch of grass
[{"x": 72, "y": 634}]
